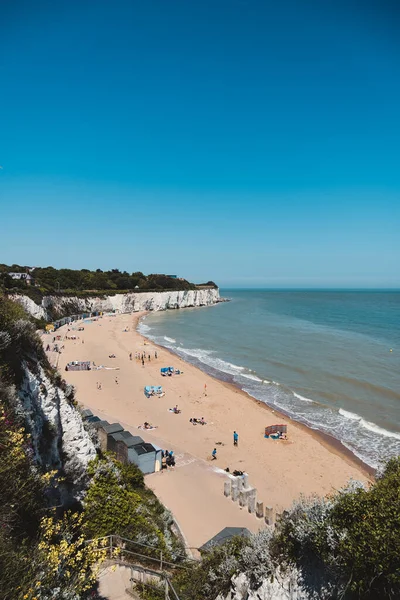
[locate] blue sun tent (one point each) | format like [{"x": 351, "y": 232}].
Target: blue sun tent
[
  {"x": 167, "y": 371},
  {"x": 152, "y": 390}
]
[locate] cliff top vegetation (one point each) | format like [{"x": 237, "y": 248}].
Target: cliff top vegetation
[{"x": 48, "y": 280}]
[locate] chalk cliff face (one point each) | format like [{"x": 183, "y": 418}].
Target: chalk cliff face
[
  {"x": 60, "y": 306},
  {"x": 58, "y": 437}
]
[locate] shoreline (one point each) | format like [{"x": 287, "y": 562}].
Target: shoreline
[
  {"x": 280, "y": 471},
  {"x": 328, "y": 441}
]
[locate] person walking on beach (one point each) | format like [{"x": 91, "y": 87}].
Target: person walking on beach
[
  {"x": 116, "y": 380},
  {"x": 205, "y": 389},
  {"x": 214, "y": 454},
  {"x": 155, "y": 354},
  {"x": 130, "y": 355},
  {"x": 235, "y": 438}
]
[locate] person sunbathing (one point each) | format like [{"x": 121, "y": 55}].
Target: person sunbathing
[
  {"x": 111, "y": 356},
  {"x": 197, "y": 421}
]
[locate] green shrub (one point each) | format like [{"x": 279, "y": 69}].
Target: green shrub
[{"x": 118, "y": 503}]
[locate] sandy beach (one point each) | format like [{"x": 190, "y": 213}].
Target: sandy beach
[{"x": 280, "y": 470}]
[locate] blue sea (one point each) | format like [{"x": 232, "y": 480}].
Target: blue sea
[{"x": 329, "y": 359}]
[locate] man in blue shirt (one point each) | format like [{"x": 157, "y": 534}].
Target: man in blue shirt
[
  {"x": 214, "y": 454},
  {"x": 235, "y": 438}
]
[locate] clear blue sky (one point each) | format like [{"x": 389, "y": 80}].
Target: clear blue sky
[{"x": 251, "y": 142}]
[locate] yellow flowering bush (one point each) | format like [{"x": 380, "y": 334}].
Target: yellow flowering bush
[
  {"x": 41, "y": 557},
  {"x": 63, "y": 561}
]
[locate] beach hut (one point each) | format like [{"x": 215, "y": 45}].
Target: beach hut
[
  {"x": 144, "y": 456},
  {"x": 121, "y": 442},
  {"x": 86, "y": 413},
  {"x": 104, "y": 430},
  {"x": 93, "y": 420},
  {"x": 224, "y": 536},
  {"x": 97, "y": 422}
]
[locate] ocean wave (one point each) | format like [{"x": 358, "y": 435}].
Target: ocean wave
[
  {"x": 365, "y": 439},
  {"x": 252, "y": 377},
  {"x": 236, "y": 367},
  {"x": 379, "y": 430},
  {"x": 349, "y": 415},
  {"x": 195, "y": 352},
  {"x": 208, "y": 358},
  {"x": 303, "y": 398}
]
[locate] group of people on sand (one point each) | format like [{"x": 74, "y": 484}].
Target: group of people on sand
[
  {"x": 195, "y": 421},
  {"x": 142, "y": 357},
  {"x": 168, "y": 456},
  {"x": 279, "y": 435},
  {"x": 235, "y": 473}
]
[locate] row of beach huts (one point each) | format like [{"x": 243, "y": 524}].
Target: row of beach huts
[{"x": 128, "y": 448}]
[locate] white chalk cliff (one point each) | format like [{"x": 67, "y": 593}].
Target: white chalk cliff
[
  {"x": 58, "y": 436},
  {"x": 120, "y": 303}
]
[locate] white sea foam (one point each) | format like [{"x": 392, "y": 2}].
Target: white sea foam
[
  {"x": 349, "y": 415},
  {"x": 252, "y": 377},
  {"x": 303, "y": 398},
  {"x": 379, "y": 430},
  {"x": 207, "y": 358},
  {"x": 236, "y": 367},
  {"x": 365, "y": 439},
  {"x": 196, "y": 352}
]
